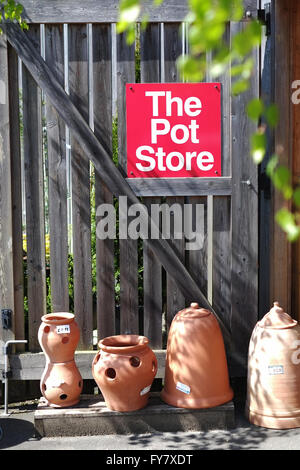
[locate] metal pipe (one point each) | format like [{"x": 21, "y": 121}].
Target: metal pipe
[{"x": 5, "y": 352}]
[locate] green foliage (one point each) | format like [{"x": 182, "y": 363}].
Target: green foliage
[
  {"x": 296, "y": 196},
  {"x": 10, "y": 10},
  {"x": 206, "y": 25},
  {"x": 258, "y": 145},
  {"x": 287, "y": 222},
  {"x": 280, "y": 176}
]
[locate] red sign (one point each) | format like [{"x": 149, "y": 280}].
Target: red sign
[{"x": 173, "y": 130}]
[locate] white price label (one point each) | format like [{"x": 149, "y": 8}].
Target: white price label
[
  {"x": 183, "y": 388},
  {"x": 275, "y": 370},
  {"x": 145, "y": 390},
  {"x": 61, "y": 329}
]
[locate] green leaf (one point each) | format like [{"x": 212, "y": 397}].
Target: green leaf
[
  {"x": 240, "y": 86},
  {"x": 272, "y": 115},
  {"x": 271, "y": 166},
  {"x": 258, "y": 146},
  {"x": 130, "y": 14},
  {"x": 296, "y": 196},
  {"x": 287, "y": 222},
  {"x": 281, "y": 177},
  {"x": 192, "y": 69},
  {"x": 255, "y": 109}
]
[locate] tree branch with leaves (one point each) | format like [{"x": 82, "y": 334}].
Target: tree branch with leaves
[
  {"x": 206, "y": 25},
  {"x": 10, "y": 10}
]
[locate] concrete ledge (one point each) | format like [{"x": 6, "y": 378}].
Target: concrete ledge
[{"x": 92, "y": 417}]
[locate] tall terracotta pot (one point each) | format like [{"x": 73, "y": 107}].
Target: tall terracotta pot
[
  {"x": 61, "y": 383},
  {"x": 124, "y": 370},
  {"x": 273, "y": 383},
  {"x": 196, "y": 374}
]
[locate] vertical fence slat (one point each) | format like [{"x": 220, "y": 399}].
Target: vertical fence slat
[
  {"x": 81, "y": 216},
  {"x": 35, "y": 231},
  {"x": 244, "y": 277},
  {"x": 129, "y": 322},
  {"x": 197, "y": 259},
  {"x": 221, "y": 272},
  {"x": 14, "y": 117},
  {"x": 150, "y": 73},
  {"x": 172, "y": 50},
  {"x": 6, "y": 228},
  {"x": 102, "y": 93},
  {"x": 225, "y": 116},
  {"x": 56, "y": 145}
]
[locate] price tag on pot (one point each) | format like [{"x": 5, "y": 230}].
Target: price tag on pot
[
  {"x": 145, "y": 390},
  {"x": 275, "y": 370},
  {"x": 62, "y": 329},
  {"x": 183, "y": 388}
]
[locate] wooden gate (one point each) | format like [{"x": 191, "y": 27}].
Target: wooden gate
[{"x": 121, "y": 286}]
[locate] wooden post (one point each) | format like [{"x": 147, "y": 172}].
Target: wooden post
[
  {"x": 295, "y": 75},
  {"x": 280, "y": 252},
  {"x": 244, "y": 208},
  {"x": 6, "y": 227}
]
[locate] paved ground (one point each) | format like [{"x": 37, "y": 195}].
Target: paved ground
[{"x": 19, "y": 434}]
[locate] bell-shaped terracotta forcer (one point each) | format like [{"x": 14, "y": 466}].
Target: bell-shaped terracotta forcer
[
  {"x": 196, "y": 374},
  {"x": 273, "y": 384},
  {"x": 61, "y": 383}
]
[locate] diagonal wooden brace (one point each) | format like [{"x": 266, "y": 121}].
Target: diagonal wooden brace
[{"x": 103, "y": 163}]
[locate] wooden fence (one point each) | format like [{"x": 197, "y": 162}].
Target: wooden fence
[{"x": 43, "y": 155}]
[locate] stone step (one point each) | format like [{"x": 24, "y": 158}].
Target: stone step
[{"x": 91, "y": 417}]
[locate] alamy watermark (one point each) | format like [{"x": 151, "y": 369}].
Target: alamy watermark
[
  {"x": 296, "y": 94},
  {"x": 167, "y": 221}
]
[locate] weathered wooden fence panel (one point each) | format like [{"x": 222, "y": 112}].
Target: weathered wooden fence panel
[{"x": 224, "y": 266}]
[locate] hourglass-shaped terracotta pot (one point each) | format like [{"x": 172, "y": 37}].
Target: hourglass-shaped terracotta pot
[
  {"x": 124, "y": 370},
  {"x": 61, "y": 383},
  {"x": 196, "y": 374},
  {"x": 273, "y": 384}
]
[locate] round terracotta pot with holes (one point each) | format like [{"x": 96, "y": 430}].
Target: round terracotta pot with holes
[
  {"x": 124, "y": 370},
  {"x": 196, "y": 374},
  {"x": 273, "y": 383},
  {"x": 61, "y": 383}
]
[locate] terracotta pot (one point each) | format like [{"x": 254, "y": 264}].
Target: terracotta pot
[
  {"x": 61, "y": 383},
  {"x": 58, "y": 336},
  {"x": 273, "y": 384},
  {"x": 124, "y": 370},
  {"x": 196, "y": 374}
]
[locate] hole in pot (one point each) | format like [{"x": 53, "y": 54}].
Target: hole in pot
[
  {"x": 46, "y": 329},
  {"x": 135, "y": 361},
  {"x": 96, "y": 358},
  {"x": 79, "y": 384},
  {"x": 63, "y": 396},
  {"x": 44, "y": 387},
  {"x": 65, "y": 340},
  {"x": 110, "y": 373}
]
